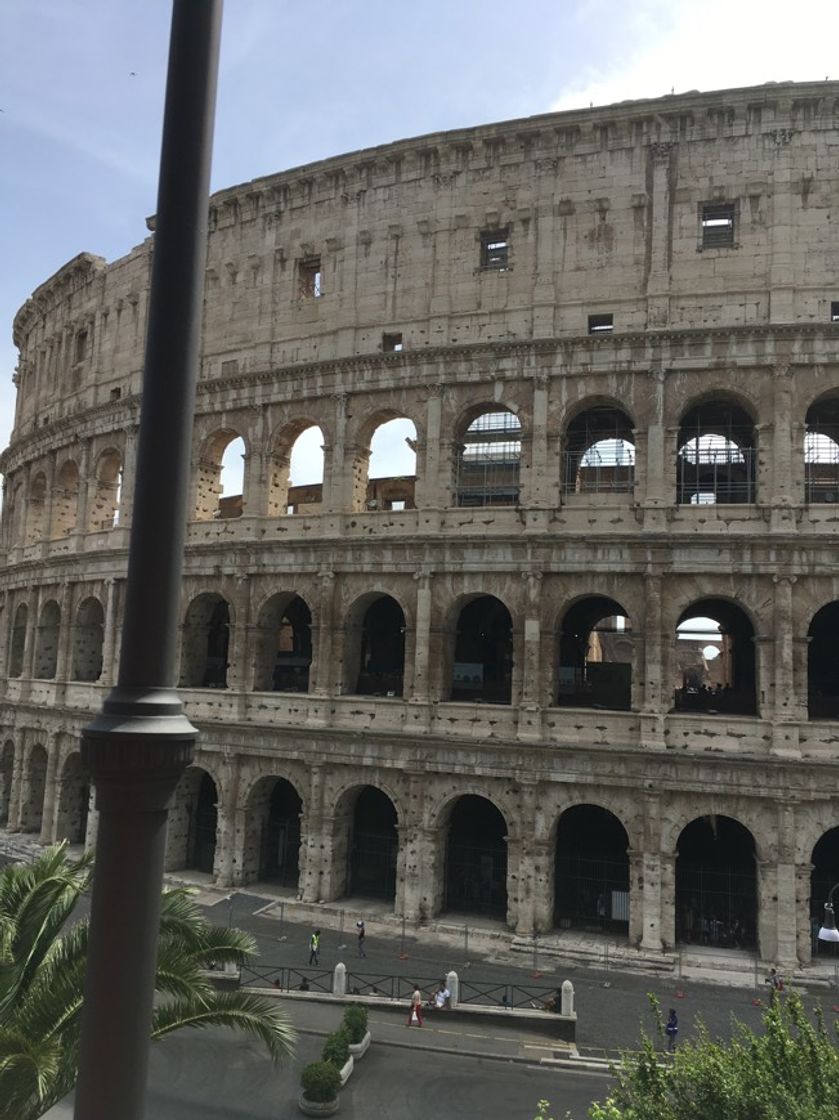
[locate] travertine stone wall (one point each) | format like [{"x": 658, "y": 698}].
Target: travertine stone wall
[{"x": 601, "y": 211}]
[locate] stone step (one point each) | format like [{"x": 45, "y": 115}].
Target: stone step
[{"x": 597, "y": 955}]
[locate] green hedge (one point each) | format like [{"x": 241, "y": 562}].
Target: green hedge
[
  {"x": 321, "y": 1082},
  {"x": 336, "y": 1049},
  {"x": 355, "y": 1022}
]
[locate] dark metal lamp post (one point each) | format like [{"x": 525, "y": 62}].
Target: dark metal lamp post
[
  {"x": 140, "y": 744},
  {"x": 829, "y": 932}
]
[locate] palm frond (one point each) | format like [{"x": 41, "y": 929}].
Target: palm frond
[{"x": 262, "y": 1018}]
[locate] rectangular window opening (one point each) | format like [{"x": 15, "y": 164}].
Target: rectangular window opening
[
  {"x": 834, "y": 311},
  {"x": 601, "y": 324},
  {"x": 718, "y": 225},
  {"x": 116, "y": 394},
  {"x": 495, "y": 249},
  {"x": 81, "y": 346},
  {"x": 397, "y": 505},
  {"x": 392, "y": 342},
  {"x": 309, "y": 274}
]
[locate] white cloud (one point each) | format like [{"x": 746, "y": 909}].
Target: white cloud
[{"x": 706, "y": 45}]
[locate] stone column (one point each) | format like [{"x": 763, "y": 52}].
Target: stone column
[
  {"x": 235, "y": 845},
  {"x": 334, "y": 855},
  {"x": 422, "y": 636},
  {"x": 92, "y": 830},
  {"x": 228, "y": 824},
  {"x": 667, "y": 862},
  {"x": 239, "y": 653},
  {"x": 533, "y": 694},
  {"x": 63, "y": 667},
  {"x": 129, "y": 471},
  {"x": 780, "y": 452},
  {"x": 541, "y": 485},
  {"x": 49, "y": 501},
  {"x": 16, "y": 795},
  {"x": 51, "y": 791},
  {"x": 651, "y": 471},
  {"x": 323, "y": 654},
  {"x": 335, "y": 497},
  {"x": 536, "y": 886},
  {"x": 661, "y": 172},
  {"x": 803, "y": 912},
  {"x": 34, "y": 622},
  {"x": 786, "y": 709},
  {"x": 654, "y": 699},
  {"x": 312, "y": 839},
  {"x": 429, "y": 492},
  {"x": 109, "y": 650},
  {"x": 84, "y": 491}
]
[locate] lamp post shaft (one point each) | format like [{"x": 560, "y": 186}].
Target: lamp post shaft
[{"x": 140, "y": 744}]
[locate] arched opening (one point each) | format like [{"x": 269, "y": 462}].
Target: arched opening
[
  {"x": 716, "y": 458},
  {"x": 65, "y": 501},
  {"x": 219, "y": 491},
  {"x": 823, "y": 663},
  {"x": 272, "y": 839},
  {"x": 716, "y": 888},
  {"x": 7, "y": 766},
  {"x": 483, "y": 653},
  {"x": 715, "y": 660},
  {"x": 104, "y": 500},
  {"x": 46, "y": 645},
  {"x": 283, "y": 645},
  {"x": 73, "y": 802},
  {"x": 35, "y": 509},
  {"x": 88, "y": 636},
  {"x": 488, "y": 460},
  {"x": 392, "y": 468},
  {"x": 32, "y": 805},
  {"x": 18, "y": 642},
  {"x": 599, "y": 455},
  {"x": 296, "y": 480},
  {"x": 381, "y": 664},
  {"x": 476, "y": 859},
  {"x": 823, "y": 877},
  {"x": 592, "y": 871},
  {"x": 595, "y": 656},
  {"x": 821, "y": 452},
  {"x": 374, "y": 846},
  {"x": 193, "y": 823},
  {"x": 206, "y": 637}
]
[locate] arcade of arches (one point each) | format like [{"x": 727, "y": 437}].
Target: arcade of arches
[{"x": 501, "y": 856}]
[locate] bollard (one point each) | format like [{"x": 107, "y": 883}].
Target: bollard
[
  {"x": 567, "y": 998},
  {"x": 453, "y": 984},
  {"x": 535, "y": 950},
  {"x": 466, "y": 942},
  {"x": 339, "y": 980}
]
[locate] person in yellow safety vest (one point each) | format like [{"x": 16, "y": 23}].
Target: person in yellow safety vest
[{"x": 314, "y": 948}]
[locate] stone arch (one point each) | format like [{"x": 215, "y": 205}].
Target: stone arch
[
  {"x": 482, "y": 655},
  {"x": 46, "y": 644},
  {"x": 724, "y": 683},
  {"x": 475, "y": 873},
  {"x": 72, "y": 801},
  {"x": 596, "y": 655},
  {"x": 716, "y": 453},
  {"x": 210, "y": 503},
  {"x": 291, "y": 454},
  {"x": 823, "y": 663},
  {"x": 598, "y": 453},
  {"x": 18, "y": 640},
  {"x": 271, "y": 852},
  {"x": 370, "y": 841},
  {"x": 591, "y": 870},
  {"x": 716, "y": 883},
  {"x": 35, "y": 784},
  {"x": 487, "y": 457},
  {"x": 88, "y": 638},
  {"x": 104, "y": 496},
  {"x": 374, "y": 661},
  {"x": 65, "y": 501},
  {"x": 385, "y": 474},
  {"x": 206, "y": 640},
  {"x": 824, "y": 875},
  {"x": 7, "y": 768},
  {"x": 283, "y": 640},
  {"x": 193, "y": 823},
  {"x": 36, "y": 503}
]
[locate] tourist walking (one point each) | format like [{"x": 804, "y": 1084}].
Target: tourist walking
[
  {"x": 671, "y": 1029},
  {"x": 415, "y": 1014},
  {"x": 362, "y": 934},
  {"x": 314, "y": 948}
]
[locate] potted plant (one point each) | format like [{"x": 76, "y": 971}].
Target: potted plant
[
  {"x": 336, "y": 1050},
  {"x": 355, "y": 1024},
  {"x": 320, "y": 1082}
]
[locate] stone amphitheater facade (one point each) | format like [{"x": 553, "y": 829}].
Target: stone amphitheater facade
[{"x": 475, "y": 690}]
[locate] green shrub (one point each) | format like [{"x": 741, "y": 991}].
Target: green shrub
[
  {"x": 336, "y": 1049},
  {"x": 355, "y": 1022},
  {"x": 321, "y": 1082}
]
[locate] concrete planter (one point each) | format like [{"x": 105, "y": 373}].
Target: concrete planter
[
  {"x": 317, "y": 1108},
  {"x": 346, "y": 1071},
  {"x": 359, "y": 1049}
]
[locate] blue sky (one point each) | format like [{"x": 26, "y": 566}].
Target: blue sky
[{"x": 82, "y": 83}]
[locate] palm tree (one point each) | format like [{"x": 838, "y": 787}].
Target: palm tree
[{"x": 42, "y": 963}]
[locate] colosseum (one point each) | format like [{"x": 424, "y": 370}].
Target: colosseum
[{"x": 565, "y": 660}]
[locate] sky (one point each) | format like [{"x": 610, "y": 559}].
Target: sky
[{"x": 82, "y": 85}]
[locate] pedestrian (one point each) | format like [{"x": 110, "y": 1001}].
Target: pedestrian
[
  {"x": 314, "y": 948},
  {"x": 359, "y": 925},
  {"x": 774, "y": 980},
  {"x": 671, "y": 1029},
  {"x": 415, "y": 1014}
]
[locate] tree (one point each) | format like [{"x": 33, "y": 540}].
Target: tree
[
  {"x": 790, "y": 1071},
  {"x": 42, "y": 963}
]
